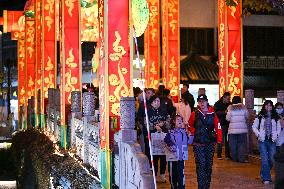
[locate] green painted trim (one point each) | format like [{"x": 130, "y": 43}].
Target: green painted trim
[
  {"x": 63, "y": 136},
  {"x": 106, "y": 182},
  {"x": 42, "y": 121}
]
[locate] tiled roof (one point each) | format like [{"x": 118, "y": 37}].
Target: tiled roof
[{"x": 198, "y": 70}]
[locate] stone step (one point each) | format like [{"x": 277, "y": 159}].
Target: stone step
[{"x": 8, "y": 184}]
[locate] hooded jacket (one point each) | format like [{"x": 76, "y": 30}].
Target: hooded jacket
[
  {"x": 178, "y": 138},
  {"x": 237, "y": 115}
]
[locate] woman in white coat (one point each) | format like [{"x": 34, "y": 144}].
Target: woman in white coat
[
  {"x": 237, "y": 115},
  {"x": 267, "y": 128}
]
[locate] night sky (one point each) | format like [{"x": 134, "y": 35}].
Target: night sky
[{"x": 11, "y": 5}]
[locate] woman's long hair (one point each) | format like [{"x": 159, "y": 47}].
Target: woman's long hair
[{"x": 263, "y": 112}]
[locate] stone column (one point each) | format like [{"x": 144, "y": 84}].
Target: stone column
[
  {"x": 126, "y": 134},
  {"x": 280, "y": 96},
  {"x": 88, "y": 113},
  {"x": 249, "y": 102},
  {"x": 75, "y": 113}
]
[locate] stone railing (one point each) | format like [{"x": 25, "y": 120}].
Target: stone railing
[
  {"x": 131, "y": 166},
  {"x": 133, "y": 169}
]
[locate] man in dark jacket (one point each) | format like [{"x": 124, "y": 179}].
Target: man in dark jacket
[
  {"x": 220, "y": 108},
  {"x": 191, "y": 100}
]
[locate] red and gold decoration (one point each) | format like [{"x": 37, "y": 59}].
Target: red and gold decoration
[
  {"x": 1, "y": 21},
  {"x": 21, "y": 73},
  {"x": 71, "y": 57},
  {"x": 170, "y": 46},
  {"x": 222, "y": 55},
  {"x": 230, "y": 48},
  {"x": 89, "y": 20},
  {"x": 152, "y": 46},
  {"x": 235, "y": 67},
  {"x": 48, "y": 79},
  {"x": 10, "y": 20},
  {"x": 114, "y": 71},
  {"x": 30, "y": 57}
]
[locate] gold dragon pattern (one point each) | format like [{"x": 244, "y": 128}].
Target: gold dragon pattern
[
  {"x": 232, "y": 88},
  {"x": 30, "y": 38},
  {"x": 121, "y": 89},
  {"x": 153, "y": 19},
  {"x": 234, "y": 9},
  {"x": 233, "y": 61}
]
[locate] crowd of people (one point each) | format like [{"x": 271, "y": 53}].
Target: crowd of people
[{"x": 204, "y": 126}]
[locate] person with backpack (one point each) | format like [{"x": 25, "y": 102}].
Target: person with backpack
[
  {"x": 205, "y": 127},
  {"x": 177, "y": 142},
  {"x": 266, "y": 128}
]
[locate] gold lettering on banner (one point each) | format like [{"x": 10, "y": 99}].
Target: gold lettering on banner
[
  {"x": 21, "y": 54},
  {"x": 49, "y": 65},
  {"x": 70, "y": 5},
  {"x": 70, "y": 60},
  {"x": 233, "y": 61},
  {"x": 118, "y": 80},
  {"x": 70, "y": 82},
  {"x": 172, "y": 11},
  {"x": 234, "y": 81}
]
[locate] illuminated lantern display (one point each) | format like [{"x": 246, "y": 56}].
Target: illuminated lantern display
[
  {"x": 21, "y": 73},
  {"x": 114, "y": 72},
  {"x": 223, "y": 71},
  {"x": 48, "y": 79},
  {"x": 170, "y": 46},
  {"x": 71, "y": 59},
  {"x": 230, "y": 48},
  {"x": 152, "y": 46},
  {"x": 235, "y": 66}
]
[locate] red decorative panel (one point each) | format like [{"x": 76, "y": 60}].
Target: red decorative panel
[
  {"x": 71, "y": 57},
  {"x": 152, "y": 46},
  {"x": 170, "y": 46},
  {"x": 234, "y": 18},
  {"x": 222, "y": 55}
]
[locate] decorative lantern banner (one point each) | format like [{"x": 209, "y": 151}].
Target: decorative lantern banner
[
  {"x": 89, "y": 21},
  {"x": 170, "y": 46},
  {"x": 48, "y": 77},
  {"x": 71, "y": 57},
  {"x": 235, "y": 67},
  {"x": 152, "y": 46},
  {"x": 1, "y": 21},
  {"x": 38, "y": 52},
  {"x": 222, "y": 52},
  {"x": 114, "y": 72},
  {"x": 30, "y": 57},
  {"x": 10, "y": 20},
  {"x": 21, "y": 73}
]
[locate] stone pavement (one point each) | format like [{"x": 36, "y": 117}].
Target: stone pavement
[{"x": 226, "y": 175}]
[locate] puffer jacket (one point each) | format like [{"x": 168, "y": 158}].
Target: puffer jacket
[
  {"x": 237, "y": 115},
  {"x": 178, "y": 138},
  {"x": 259, "y": 130}
]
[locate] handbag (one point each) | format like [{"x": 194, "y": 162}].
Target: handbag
[{"x": 158, "y": 144}]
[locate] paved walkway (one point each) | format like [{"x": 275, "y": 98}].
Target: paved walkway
[{"x": 226, "y": 175}]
